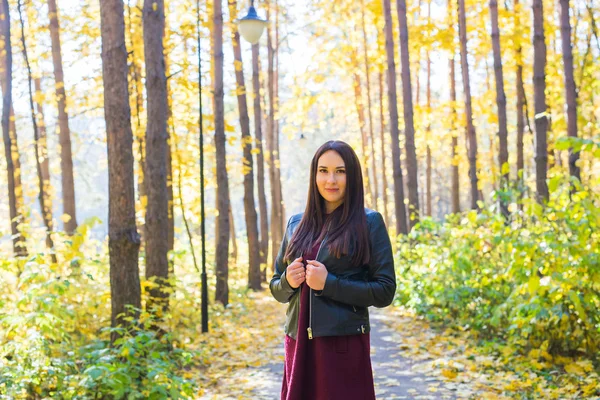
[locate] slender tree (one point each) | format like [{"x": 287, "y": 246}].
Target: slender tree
[
  {"x": 276, "y": 216},
  {"x": 43, "y": 160},
  {"x": 501, "y": 104},
  {"x": 254, "y": 275},
  {"x": 43, "y": 195},
  {"x": 428, "y": 128},
  {"x": 383, "y": 152},
  {"x": 360, "y": 112},
  {"x": 453, "y": 127},
  {"x": 492, "y": 163},
  {"x": 471, "y": 135},
  {"x": 136, "y": 52},
  {"x": 541, "y": 113},
  {"x": 9, "y": 132},
  {"x": 455, "y": 191},
  {"x": 571, "y": 91},
  {"x": 279, "y": 191},
  {"x": 399, "y": 208},
  {"x": 260, "y": 161},
  {"x": 123, "y": 239},
  {"x": 234, "y": 248},
  {"x": 66, "y": 158},
  {"x": 409, "y": 126},
  {"x": 369, "y": 104},
  {"x": 521, "y": 101},
  {"x": 222, "y": 224},
  {"x": 157, "y": 214},
  {"x": 170, "y": 142}
]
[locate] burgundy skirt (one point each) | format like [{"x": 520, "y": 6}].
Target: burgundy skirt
[{"x": 326, "y": 367}]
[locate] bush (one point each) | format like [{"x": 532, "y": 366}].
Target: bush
[
  {"x": 533, "y": 280},
  {"x": 53, "y": 340}
]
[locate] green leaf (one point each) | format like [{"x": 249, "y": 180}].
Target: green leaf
[
  {"x": 577, "y": 304},
  {"x": 554, "y": 183},
  {"x": 95, "y": 372},
  {"x": 563, "y": 143}
]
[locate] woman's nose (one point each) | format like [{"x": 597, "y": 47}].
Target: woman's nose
[{"x": 331, "y": 178}]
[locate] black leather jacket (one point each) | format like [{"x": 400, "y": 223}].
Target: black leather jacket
[{"x": 341, "y": 307}]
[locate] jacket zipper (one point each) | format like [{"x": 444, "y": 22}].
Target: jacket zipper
[{"x": 309, "y": 329}]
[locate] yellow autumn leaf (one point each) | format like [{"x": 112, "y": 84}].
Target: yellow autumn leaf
[
  {"x": 449, "y": 373},
  {"x": 576, "y": 368}
]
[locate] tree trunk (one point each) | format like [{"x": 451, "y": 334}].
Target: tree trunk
[
  {"x": 157, "y": 213},
  {"x": 382, "y": 140},
  {"x": 9, "y": 132},
  {"x": 369, "y": 108},
  {"x": 260, "y": 161},
  {"x": 571, "y": 92},
  {"x": 170, "y": 195},
  {"x": 43, "y": 195},
  {"x": 541, "y": 117},
  {"x": 66, "y": 158},
  {"x": 360, "y": 112},
  {"x": 271, "y": 145},
  {"x": 409, "y": 128},
  {"x": 279, "y": 192},
  {"x": 471, "y": 135},
  {"x": 501, "y": 102},
  {"x": 417, "y": 93},
  {"x": 139, "y": 131},
  {"x": 428, "y": 209},
  {"x": 43, "y": 161},
  {"x": 520, "y": 110},
  {"x": 254, "y": 275},
  {"x": 490, "y": 133},
  {"x": 222, "y": 224},
  {"x": 234, "y": 248},
  {"x": 454, "y": 118},
  {"x": 123, "y": 239},
  {"x": 170, "y": 148},
  {"x": 399, "y": 208}
]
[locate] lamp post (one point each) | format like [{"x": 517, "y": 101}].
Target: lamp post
[
  {"x": 202, "y": 215},
  {"x": 251, "y": 28}
]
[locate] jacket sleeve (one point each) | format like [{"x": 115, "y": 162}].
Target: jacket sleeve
[
  {"x": 379, "y": 288},
  {"x": 280, "y": 288}
]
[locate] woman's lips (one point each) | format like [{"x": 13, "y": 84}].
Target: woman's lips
[{"x": 332, "y": 190}]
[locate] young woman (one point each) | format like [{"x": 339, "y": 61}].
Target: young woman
[{"x": 335, "y": 261}]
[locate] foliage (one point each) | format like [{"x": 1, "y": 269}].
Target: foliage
[
  {"x": 53, "y": 338},
  {"x": 533, "y": 280}
]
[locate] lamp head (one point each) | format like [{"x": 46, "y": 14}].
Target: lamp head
[{"x": 251, "y": 26}]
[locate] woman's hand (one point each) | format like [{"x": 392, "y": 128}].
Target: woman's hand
[
  {"x": 316, "y": 273},
  {"x": 294, "y": 273}
]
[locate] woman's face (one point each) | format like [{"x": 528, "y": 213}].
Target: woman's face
[{"x": 331, "y": 179}]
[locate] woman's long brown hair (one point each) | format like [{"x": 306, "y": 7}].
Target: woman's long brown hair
[{"x": 348, "y": 231}]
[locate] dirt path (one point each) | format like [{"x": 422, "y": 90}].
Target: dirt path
[{"x": 398, "y": 373}]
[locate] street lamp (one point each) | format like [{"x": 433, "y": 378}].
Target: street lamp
[
  {"x": 251, "y": 26},
  {"x": 204, "y": 279},
  {"x": 302, "y": 140}
]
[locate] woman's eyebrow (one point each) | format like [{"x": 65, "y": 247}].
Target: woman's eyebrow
[{"x": 340, "y": 167}]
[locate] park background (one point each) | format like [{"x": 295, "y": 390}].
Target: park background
[{"x": 477, "y": 125}]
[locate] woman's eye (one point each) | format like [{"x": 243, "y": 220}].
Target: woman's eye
[{"x": 341, "y": 171}]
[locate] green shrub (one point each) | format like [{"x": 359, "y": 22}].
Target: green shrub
[{"x": 533, "y": 280}]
